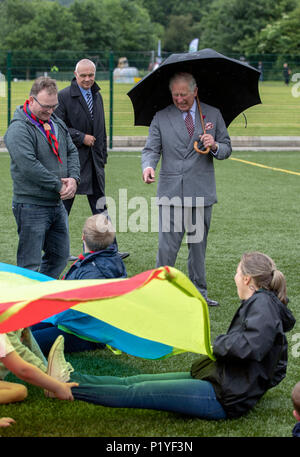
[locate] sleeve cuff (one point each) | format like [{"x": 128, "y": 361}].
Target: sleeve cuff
[{"x": 215, "y": 153}]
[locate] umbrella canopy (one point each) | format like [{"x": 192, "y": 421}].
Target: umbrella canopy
[{"x": 227, "y": 84}]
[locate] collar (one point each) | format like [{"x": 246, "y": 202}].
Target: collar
[
  {"x": 86, "y": 256},
  {"x": 193, "y": 108},
  {"x": 75, "y": 89},
  {"x": 85, "y": 91},
  {"x": 192, "y": 111}
]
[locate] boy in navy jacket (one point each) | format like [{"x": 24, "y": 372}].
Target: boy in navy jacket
[{"x": 100, "y": 260}]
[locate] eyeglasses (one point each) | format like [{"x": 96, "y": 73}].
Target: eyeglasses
[{"x": 47, "y": 107}]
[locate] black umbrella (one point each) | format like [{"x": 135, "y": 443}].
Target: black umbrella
[{"x": 228, "y": 84}]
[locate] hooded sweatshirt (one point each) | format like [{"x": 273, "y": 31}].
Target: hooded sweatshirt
[{"x": 35, "y": 170}]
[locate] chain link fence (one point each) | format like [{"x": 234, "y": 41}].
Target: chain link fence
[{"x": 116, "y": 75}]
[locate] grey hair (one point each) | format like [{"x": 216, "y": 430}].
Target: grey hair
[
  {"x": 187, "y": 77},
  {"x": 85, "y": 62}
]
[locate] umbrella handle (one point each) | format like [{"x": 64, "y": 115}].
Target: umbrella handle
[{"x": 206, "y": 151}]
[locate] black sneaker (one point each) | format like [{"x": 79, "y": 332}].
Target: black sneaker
[
  {"x": 212, "y": 302},
  {"x": 72, "y": 258},
  {"x": 123, "y": 255}
]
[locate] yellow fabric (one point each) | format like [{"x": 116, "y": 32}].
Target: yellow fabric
[{"x": 168, "y": 309}]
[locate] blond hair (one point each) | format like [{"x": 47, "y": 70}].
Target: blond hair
[
  {"x": 264, "y": 273},
  {"x": 98, "y": 232}
]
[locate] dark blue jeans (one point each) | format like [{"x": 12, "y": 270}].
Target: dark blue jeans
[
  {"x": 176, "y": 392},
  {"x": 42, "y": 228},
  {"x": 45, "y": 334}
]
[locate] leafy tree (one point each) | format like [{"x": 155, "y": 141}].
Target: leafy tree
[
  {"x": 31, "y": 28},
  {"x": 176, "y": 16},
  {"x": 63, "y": 2},
  {"x": 179, "y": 42},
  {"x": 278, "y": 37},
  {"x": 228, "y": 25},
  {"x": 121, "y": 25},
  {"x": 95, "y": 23},
  {"x": 36, "y": 25},
  {"x": 138, "y": 32},
  {"x": 194, "y": 7},
  {"x": 160, "y": 10}
]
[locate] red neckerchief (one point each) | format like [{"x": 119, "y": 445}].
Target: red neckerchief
[
  {"x": 52, "y": 140},
  {"x": 82, "y": 256}
]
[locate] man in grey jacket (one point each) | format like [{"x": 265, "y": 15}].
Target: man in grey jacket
[
  {"x": 186, "y": 190},
  {"x": 45, "y": 171}
]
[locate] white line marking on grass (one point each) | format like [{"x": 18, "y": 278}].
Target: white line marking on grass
[{"x": 265, "y": 166}]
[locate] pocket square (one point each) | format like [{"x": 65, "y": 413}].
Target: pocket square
[{"x": 209, "y": 126}]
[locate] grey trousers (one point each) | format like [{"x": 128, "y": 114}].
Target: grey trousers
[{"x": 174, "y": 222}]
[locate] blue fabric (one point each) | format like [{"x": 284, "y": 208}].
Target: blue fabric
[
  {"x": 105, "y": 264},
  {"x": 24, "y": 272},
  {"x": 42, "y": 228},
  {"x": 96, "y": 330},
  {"x": 176, "y": 392}
]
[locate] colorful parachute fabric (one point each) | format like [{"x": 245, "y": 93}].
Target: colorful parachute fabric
[{"x": 154, "y": 314}]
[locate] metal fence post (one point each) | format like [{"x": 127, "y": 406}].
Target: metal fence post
[
  {"x": 8, "y": 77},
  {"x": 111, "y": 97}
]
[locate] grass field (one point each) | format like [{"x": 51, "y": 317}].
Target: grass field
[
  {"x": 277, "y": 115},
  {"x": 258, "y": 209}
]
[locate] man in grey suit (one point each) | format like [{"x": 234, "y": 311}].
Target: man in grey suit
[{"x": 186, "y": 189}]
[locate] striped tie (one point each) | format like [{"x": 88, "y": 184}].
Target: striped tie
[
  {"x": 89, "y": 102},
  {"x": 189, "y": 124}
]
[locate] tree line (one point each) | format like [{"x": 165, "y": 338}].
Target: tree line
[{"x": 229, "y": 26}]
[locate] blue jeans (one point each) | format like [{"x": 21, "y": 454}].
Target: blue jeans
[
  {"x": 45, "y": 334},
  {"x": 42, "y": 228},
  {"x": 176, "y": 392}
]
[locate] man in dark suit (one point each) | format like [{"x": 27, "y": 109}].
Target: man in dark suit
[{"x": 81, "y": 108}]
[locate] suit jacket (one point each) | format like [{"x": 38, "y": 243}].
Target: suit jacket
[
  {"x": 74, "y": 112},
  {"x": 184, "y": 172}
]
